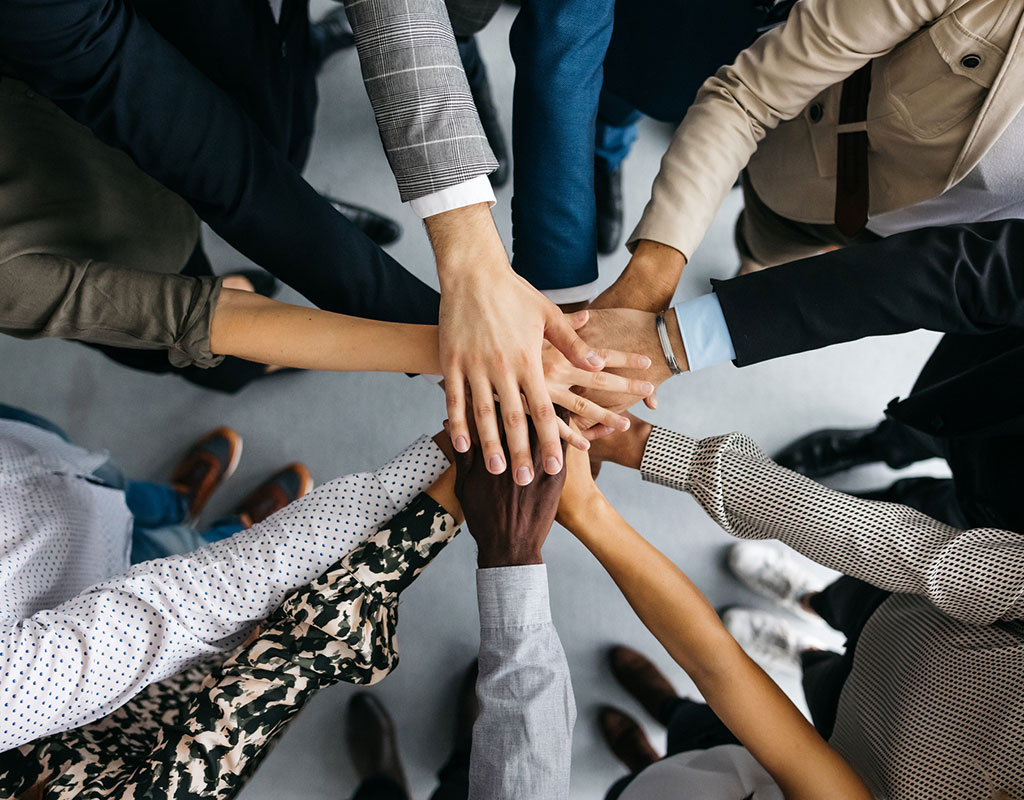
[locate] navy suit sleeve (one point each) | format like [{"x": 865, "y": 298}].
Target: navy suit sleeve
[
  {"x": 966, "y": 279},
  {"x": 559, "y": 48},
  {"x": 110, "y": 70}
]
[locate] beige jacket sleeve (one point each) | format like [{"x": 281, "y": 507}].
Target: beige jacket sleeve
[
  {"x": 49, "y": 296},
  {"x": 975, "y": 575},
  {"x": 822, "y": 43}
]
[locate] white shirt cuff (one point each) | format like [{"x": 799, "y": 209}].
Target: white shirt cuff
[
  {"x": 572, "y": 294},
  {"x": 706, "y": 336},
  {"x": 468, "y": 193}
]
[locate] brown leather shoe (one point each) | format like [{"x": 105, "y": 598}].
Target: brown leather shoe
[
  {"x": 638, "y": 675},
  {"x": 208, "y": 463},
  {"x": 372, "y": 742},
  {"x": 626, "y": 739},
  {"x": 279, "y": 490}
]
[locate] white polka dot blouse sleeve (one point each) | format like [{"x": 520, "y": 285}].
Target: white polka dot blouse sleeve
[{"x": 66, "y": 666}]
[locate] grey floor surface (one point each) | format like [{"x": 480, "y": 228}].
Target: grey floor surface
[{"x": 345, "y": 423}]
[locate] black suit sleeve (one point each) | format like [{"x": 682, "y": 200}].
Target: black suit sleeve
[
  {"x": 959, "y": 279},
  {"x": 109, "y": 69}
]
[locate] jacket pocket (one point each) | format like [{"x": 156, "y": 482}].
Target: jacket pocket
[{"x": 940, "y": 76}]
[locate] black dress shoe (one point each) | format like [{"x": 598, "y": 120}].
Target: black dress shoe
[
  {"x": 372, "y": 743},
  {"x": 329, "y": 35},
  {"x": 639, "y": 676},
  {"x": 610, "y": 206},
  {"x": 383, "y": 230},
  {"x": 828, "y": 451}
]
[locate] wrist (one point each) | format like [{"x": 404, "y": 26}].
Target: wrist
[
  {"x": 650, "y": 279},
  {"x": 466, "y": 245},
  {"x": 675, "y": 340},
  {"x": 507, "y": 556},
  {"x": 585, "y": 515}
]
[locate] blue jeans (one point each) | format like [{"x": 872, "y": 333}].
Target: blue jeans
[
  {"x": 616, "y": 130},
  {"x": 158, "y": 509}
]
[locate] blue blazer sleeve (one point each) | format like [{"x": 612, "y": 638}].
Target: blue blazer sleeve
[
  {"x": 559, "y": 48},
  {"x": 110, "y": 70}
]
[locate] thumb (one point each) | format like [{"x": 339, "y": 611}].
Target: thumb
[{"x": 565, "y": 339}]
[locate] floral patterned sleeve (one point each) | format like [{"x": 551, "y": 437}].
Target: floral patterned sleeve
[{"x": 183, "y": 740}]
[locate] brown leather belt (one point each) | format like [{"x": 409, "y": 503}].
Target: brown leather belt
[{"x": 852, "y": 197}]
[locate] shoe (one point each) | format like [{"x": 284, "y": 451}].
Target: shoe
[
  {"x": 828, "y": 451},
  {"x": 329, "y": 35},
  {"x": 372, "y": 742},
  {"x": 468, "y": 709},
  {"x": 639, "y": 676},
  {"x": 207, "y": 464},
  {"x": 768, "y": 637},
  {"x": 610, "y": 206},
  {"x": 626, "y": 739},
  {"x": 773, "y": 573},
  {"x": 282, "y": 488},
  {"x": 382, "y": 230}
]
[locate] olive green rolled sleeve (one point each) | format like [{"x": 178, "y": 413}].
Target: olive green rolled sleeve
[{"x": 45, "y": 296}]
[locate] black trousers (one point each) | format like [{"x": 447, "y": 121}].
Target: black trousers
[
  {"x": 268, "y": 68},
  {"x": 453, "y": 782},
  {"x": 987, "y": 469}
]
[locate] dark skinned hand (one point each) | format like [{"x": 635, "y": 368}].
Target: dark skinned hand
[{"x": 509, "y": 522}]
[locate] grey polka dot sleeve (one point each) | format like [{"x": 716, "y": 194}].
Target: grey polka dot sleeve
[{"x": 976, "y": 575}]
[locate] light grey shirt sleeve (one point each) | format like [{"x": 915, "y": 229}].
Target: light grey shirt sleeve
[{"x": 522, "y": 740}]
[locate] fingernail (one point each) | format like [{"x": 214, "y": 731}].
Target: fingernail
[
  {"x": 496, "y": 465},
  {"x": 524, "y": 475},
  {"x": 646, "y": 387},
  {"x": 594, "y": 359},
  {"x": 623, "y": 424},
  {"x": 552, "y": 465},
  {"x": 645, "y": 362},
  {"x": 582, "y": 315},
  {"x": 654, "y": 403},
  {"x": 461, "y": 444}
]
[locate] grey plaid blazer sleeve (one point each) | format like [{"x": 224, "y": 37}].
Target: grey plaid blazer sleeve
[{"x": 413, "y": 75}]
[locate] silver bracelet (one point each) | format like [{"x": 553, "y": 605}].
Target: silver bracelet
[{"x": 666, "y": 346}]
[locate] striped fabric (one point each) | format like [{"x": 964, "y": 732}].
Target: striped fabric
[
  {"x": 934, "y": 706},
  {"x": 413, "y": 75}
]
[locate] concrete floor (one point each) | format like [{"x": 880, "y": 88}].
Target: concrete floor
[{"x": 344, "y": 423}]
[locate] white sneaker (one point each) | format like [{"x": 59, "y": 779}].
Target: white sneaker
[
  {"x": 771, "y": 572},
  {"x": 765, "y": 636}
]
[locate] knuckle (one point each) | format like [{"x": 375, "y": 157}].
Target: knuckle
[
  {"x": 483, "y": 409},
  {"x": 515, "y": 419},
  {"x": 545, "y": 412},
  {"x": 579, "y": 405}
]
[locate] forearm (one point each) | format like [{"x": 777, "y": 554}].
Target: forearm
[
  {"x": 257, "y": 328},
  {"x": 649, "y": 280},
  {"x": 890, "y": 546},
  {"x": 966, "y": 279},
  {"x": 189, "y": 607},
  {"x": 750, "y": 704},
  {"x": 420, "y": 96},
  {"x": 522, "y": 739},
  {"x": 49, "y": 296}
]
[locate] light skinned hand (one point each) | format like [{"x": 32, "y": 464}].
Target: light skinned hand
[{"x": 492, "y": 328}]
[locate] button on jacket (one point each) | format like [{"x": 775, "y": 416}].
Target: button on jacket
[{"x": 947, "y": 79}]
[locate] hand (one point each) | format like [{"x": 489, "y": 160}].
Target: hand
[
  {"x": 649, "y": 280},
  {"x": 492, "y": 326},
  {"x": 633, "y": 331},
  {"x": 561, "y": 377},
  {"x": 508, "y": 521}
]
